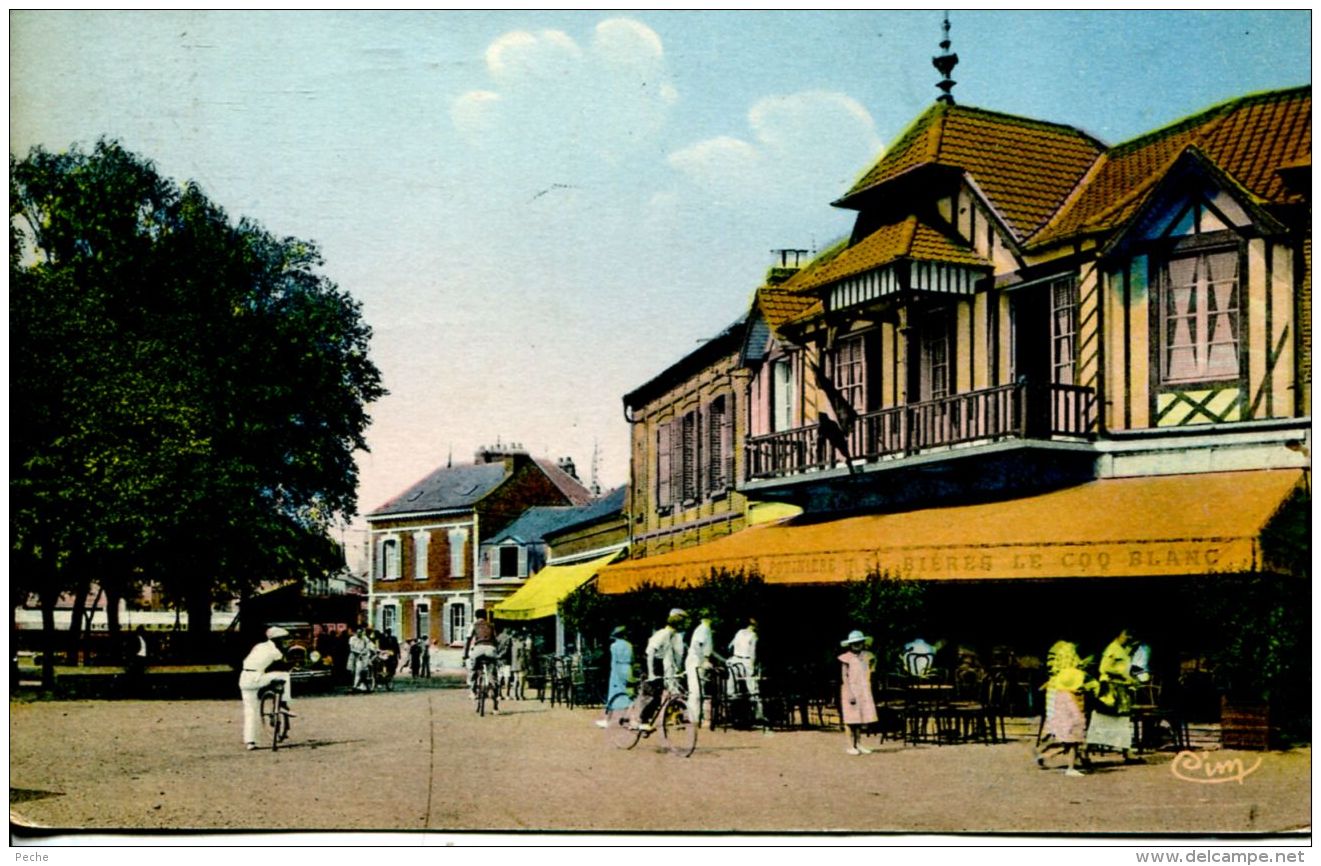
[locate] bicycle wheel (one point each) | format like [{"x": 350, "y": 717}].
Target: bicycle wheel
[
  {"x": 479, "y": 685},
  {"x": 620, "y": 731},
  {"x": 493, "y": 692},
  {"x": 679, "y": 734},
  {"x": 269, "y": 717}
]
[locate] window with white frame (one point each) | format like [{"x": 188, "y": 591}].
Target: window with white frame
[
  {"x": 458, "y": 539},
  {"x": 782, "y": 394},
  {"x": 388, "y": 557},
  {"x": 458, "y": 622},
  {"x": 422, "y": 621},
  {"x": 508, "y": 560},
  {"x": 389, "y": 616},
  {"x": 1063, "y": 330},
  {"x": 1199, "y": 318},
  {"x": 934, "y": 368},
  {"x": 420, "y": 540},
  {"x": 849, "y": 371}
]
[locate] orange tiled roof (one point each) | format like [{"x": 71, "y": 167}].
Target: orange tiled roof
[
  {"x": 1249, "y": 139},
  {"x": 1026, "y": 168},
  {"x": 908, "y": 239},
  {"x": 779, "y": 306}
]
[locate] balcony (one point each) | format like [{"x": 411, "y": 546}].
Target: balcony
[{"x": 1018, "y": 411}]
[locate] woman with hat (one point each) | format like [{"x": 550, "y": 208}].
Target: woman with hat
[
  {"x": 621, "y": 671},
  {"x": 857, "y": 706}
]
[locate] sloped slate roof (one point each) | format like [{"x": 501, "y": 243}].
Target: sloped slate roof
[
  {"x": 446, "y": 488},
  {"x": 908, "y": 239},
  {"x": 531, "y": 527},
  {"x": 1024, "y": 167},
  {"x": 464, "y": 486},
  {"x": 1249, "y": 139},
  {"x": 610, "y": 504}
]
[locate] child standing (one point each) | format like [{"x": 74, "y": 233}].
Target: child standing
[
  {"x": 857, "y": 706},
  {"x": 1065, "y": 724}
]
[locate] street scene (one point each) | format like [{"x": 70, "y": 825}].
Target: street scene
[
  {"x": 421, "y": 759},
  {"x": 855, "y": 424}
]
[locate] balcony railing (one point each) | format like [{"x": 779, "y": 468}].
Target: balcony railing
[{"x": 1007, "y": 412}]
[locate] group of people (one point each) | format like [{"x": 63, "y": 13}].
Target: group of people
[
  {"x": 667, "y": 653},
  {"x": 507, "y": 650},
  {"x": 1124, "y": 666}
]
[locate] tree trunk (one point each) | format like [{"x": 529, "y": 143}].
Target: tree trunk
[
  {"x": 112, "y": 596},
  {"x": 199, "y": 624},
  {"x": 75, "y": 637},
  {"x": 48, "y": 638}
]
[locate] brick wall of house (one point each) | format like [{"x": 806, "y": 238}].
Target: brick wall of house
[{"x": 658, "y": 528}]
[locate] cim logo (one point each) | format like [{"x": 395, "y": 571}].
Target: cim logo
[{"x": 1199, "y": 768}]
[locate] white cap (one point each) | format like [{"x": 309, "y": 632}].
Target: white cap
[{"x": 275, "y": 631}]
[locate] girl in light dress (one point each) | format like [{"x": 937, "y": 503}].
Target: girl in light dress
[
  {"x": 1065, "y": 725},
  {"x": 857, "y": 706}
]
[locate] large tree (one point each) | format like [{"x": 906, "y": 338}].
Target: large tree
[{"x": 187, "y": 391}]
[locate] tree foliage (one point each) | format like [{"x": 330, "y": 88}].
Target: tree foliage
[{"x": 187, "y": 391}]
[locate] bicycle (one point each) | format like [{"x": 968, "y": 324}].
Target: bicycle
[
  {"x": 275, "y": 712},
  {"x": 678, "y": 732},
  {"x": 485, "y": 684},
  {"x": 383, "y": 669}
]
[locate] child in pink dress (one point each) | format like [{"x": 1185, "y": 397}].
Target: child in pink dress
[
  {"x": 857, "y": 706},
  {"x": 1065, "y": 726}
]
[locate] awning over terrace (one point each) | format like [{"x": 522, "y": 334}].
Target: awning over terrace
[
  {"x": 1118, "y": 527},
  {"x": 542, "y": 594}
]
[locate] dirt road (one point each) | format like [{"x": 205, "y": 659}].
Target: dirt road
[{"x": 422, "y": 760}]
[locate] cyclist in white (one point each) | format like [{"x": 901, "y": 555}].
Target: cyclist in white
[
  {"x": 743, "y": 665},
  {"x": 664, "y": 659},
  {"x": 256, "y": 674},
  {"x": 701, "y": 649}
]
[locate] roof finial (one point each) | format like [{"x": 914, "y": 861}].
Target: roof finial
[{"x": 945, "y": 63}]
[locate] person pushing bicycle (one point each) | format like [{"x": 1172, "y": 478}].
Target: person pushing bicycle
[{"x": 256, "y": 674}]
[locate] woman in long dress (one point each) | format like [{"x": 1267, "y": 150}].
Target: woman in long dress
[
  {"x": 1111, "y": 725},
  {"x": 857, "y": 706}
]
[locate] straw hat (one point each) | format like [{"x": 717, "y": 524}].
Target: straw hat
[{"x": 855, "y": 636}]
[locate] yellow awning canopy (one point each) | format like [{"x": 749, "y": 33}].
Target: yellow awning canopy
[
  {"x": 1115, "y": 527},
  {"x": 542, "y": 594}
]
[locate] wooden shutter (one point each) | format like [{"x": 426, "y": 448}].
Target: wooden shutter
[
  {"x": 664, "y": 472},
  {"x": 690, "y": 455}
]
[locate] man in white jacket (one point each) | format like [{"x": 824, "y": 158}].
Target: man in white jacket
[
  {"x": 701, "y": 649},
  {"x": 256, "y": 674}
]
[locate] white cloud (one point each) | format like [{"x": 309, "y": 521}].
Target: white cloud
[
  {"x": 801, "y": 146},
  {"x": 723, "y": 166},
  {"x": 597, "y": 101}
]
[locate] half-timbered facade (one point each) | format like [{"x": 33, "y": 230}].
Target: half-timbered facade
[{"x": 1020, "y": 311}]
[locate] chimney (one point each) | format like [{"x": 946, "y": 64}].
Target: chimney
[
  {"x": 498, "y": 452},
  {"x": 566, "y": 464},
  {"x": 786, "y": 263}
]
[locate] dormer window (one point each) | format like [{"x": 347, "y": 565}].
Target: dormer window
[{"x": 1200, "y": 317}]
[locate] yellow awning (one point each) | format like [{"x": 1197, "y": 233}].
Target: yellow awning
[
  {"x": 1115, "y": 527},
  {"x": 542, "y": 594}
]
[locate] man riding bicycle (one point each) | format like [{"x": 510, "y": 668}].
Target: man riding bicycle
[
  {"x": 665, "y": 656},
  {"x": 480, "y": 647},
  {"x": 256, "y": 674}
]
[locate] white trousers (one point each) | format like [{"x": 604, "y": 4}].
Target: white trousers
[{"x": 250, "y": 683}]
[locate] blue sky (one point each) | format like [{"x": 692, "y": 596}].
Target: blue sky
[{"x": 542, "y": 210}]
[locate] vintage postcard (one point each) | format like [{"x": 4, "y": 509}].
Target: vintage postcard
[{"x": 661, "y": 427}]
